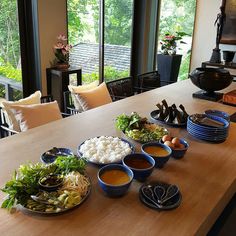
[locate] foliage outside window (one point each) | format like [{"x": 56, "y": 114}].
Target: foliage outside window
[
  {"x": 83, "y": 27},
  {"x": 178, "y": 16},
  {"x": 10, "y": 64}
]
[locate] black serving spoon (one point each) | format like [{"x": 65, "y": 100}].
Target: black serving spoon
[
  {"x": 148, "y": 194},
  {"x": 56, "y": 152},
  {"x": 171, "y": 191}
]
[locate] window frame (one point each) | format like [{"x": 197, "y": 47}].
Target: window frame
[{"x": 29, "y": 46}]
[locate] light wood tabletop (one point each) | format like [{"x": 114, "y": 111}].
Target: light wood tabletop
[{"x": 206, "y": 175}]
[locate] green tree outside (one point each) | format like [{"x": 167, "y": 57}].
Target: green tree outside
[
  {"x": 9, "y": 43},
  {"x": 178, "y": 16}
]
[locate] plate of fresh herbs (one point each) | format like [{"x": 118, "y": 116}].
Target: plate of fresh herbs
[
  {"x": 24, "y": 190},
  {"x": 139, "y": 128}
]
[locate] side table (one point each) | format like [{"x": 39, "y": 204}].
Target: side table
[{"x": 58, "y": 81}]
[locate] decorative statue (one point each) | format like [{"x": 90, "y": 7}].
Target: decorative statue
[{"x": 216, "y": 57}]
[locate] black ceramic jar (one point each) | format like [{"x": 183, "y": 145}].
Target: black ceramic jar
[{"x": 211, "y": 79}]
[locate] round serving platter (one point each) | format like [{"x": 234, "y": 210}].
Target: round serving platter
[
  {"x": 132, "y": 147},
  {"x": 172, "y": 203},
  {"x": 27, "y": 210},
  {"x": 154, "y": 114},
  {"x": 153, "y": 140}
]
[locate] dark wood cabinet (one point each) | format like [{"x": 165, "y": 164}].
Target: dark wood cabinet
[{"x": 58, "y": 81}]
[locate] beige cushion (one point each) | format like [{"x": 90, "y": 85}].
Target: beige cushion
[
  {"x": 32, "y": 99},
  {"x": 2, "y": 100},
  {"x": 94, "y": 97},
  {"x": 77, "y": 89},
  {"x": 30, "y": 116}
]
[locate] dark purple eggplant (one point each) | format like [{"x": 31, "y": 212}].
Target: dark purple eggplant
[
  {"x": 166, "y": 108},
  {"x": 170, "y": 118},
  {"x": 185, "y": 114},
  {"x": 161, "y": 112},
  {"x": 178, "y": 116}
]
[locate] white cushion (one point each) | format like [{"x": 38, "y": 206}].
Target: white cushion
[
  {"x": 30, "y": 116},
  {"x": 13, "y": 123},
  {"x": 77, "y": 89}
]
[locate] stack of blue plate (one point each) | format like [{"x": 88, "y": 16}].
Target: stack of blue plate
[{"x": 208, "y": 133}]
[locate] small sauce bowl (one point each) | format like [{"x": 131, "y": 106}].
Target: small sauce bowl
[
  {"x": 118, "y": 187},
  {"x": 51, "y": 182},
  {"x": 160, "y": 160},
  {"x": 142, "y": 165}
]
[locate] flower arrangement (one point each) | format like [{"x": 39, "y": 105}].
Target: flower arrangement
[
  {"x": 62, "y": 49},
  {"x": 169, "y": 42}
]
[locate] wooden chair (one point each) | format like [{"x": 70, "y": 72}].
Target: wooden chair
[{"x": 4, "y": 127}]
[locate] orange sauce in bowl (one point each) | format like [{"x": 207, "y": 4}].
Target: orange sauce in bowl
[
  {"x": 156, "y": 151},
  {"x": 115, "y": 177}
]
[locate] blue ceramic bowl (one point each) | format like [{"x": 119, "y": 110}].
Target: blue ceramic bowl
[
  {"x": 218, "y": 113},
  {"x": 136, "y": 162},
  {"x": 179, "y": 153},
  {"x": 160, "y": 161},
  {"x": 115, "y": 190},
  {"x": 49, "y": 156}
]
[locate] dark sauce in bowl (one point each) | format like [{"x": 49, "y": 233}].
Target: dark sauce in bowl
[
  {"x": 140, "y": 163},
  {"x": 51, "y": 180}
]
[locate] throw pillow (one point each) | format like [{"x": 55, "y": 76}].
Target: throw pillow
[
  {"x": 32, "y": 99},
  {"x": 77, "y": 89},
  {"x": 30, "y": 116},
  {"x": 94, "y": 97}
]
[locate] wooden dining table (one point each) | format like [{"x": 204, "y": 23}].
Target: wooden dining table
[{"x": 206, "y": 175}]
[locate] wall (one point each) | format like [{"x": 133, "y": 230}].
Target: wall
[
  {"x": 205, "y": 32},
  {"x": 52, "y": 21}
]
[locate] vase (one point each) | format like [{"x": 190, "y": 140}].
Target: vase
[
  {"x": 62, "y": 66},
  {"x": 168, "y": 67},
  {"x": 228, "y": 56}
]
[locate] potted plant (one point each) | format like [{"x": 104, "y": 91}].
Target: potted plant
[
  {"x": 168, "y": 62},
  {"x": 61, "y": 52}
]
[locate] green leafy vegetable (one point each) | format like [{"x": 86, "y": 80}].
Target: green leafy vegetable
[
  {"x": 24, "y": 182},
  {"x": 68, "y": 164},
  {"x": 124, "y": 122},
  {"x": 139, "y": 128}
]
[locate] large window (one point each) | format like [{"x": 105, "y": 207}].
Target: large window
[
  {"x": 10, "y": 60},
  {"x": 85, "y": 34},
  {"x": 178, "y": 16},
  {"x": 117, "y": 37}
]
